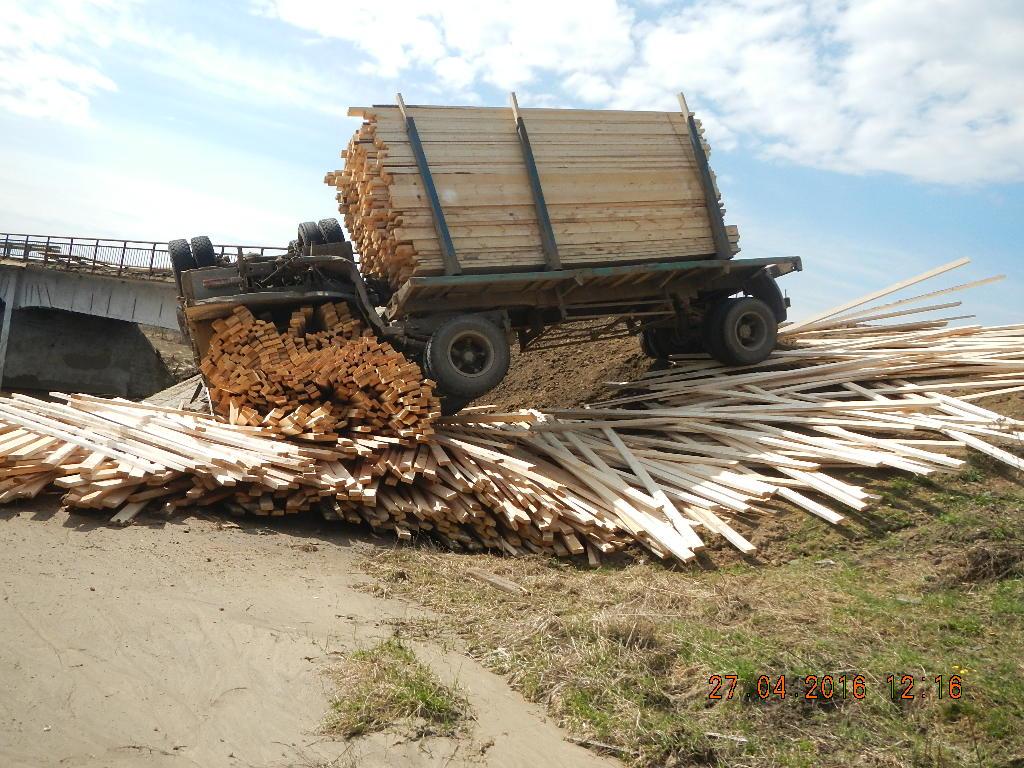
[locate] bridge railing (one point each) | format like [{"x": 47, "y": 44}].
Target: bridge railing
[{"x": 127, "y": 258}]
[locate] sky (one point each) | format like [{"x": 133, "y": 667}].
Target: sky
[{"x": 873, "y": 138}]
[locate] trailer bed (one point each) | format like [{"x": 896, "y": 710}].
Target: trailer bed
[{"x": 600, "y": 287}]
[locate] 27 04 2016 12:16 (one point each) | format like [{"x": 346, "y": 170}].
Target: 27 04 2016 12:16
[{"x": 900, "y": 687}]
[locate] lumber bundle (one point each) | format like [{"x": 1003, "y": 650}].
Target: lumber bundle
[
  {"x": 315, "y": 384},
  {"x": 676, "y": 460},
  {"x": 621, "y": 187}
]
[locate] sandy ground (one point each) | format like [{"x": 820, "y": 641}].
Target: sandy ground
[
  {"x": 560, "y": 377},
  {"x": 185, "y": 643}
]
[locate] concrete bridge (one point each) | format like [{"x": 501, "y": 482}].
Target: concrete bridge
[{"x": 71, "y": 307}]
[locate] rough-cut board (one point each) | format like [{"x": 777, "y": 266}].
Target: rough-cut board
[
  {"x": 619, "y": 187},
  {"x": 326, "y": 376}
]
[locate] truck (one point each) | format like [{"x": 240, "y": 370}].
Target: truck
[{"x": 460, "y": 327}]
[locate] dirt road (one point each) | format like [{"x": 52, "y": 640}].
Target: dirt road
[{"x": 188, "y": 644}]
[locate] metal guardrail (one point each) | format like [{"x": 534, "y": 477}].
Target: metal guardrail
[{"x": 125, "y": 258}]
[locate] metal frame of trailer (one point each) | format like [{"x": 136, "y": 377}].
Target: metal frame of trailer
[{"x": 629, "y": 296}]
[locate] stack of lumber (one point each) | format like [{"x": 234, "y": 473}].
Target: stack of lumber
[
  {"x": 620, "y": 187},
  {"x": 679, "y": 459},
  {"x": 327, "y": 376},
  {"x": 683, "y": 453},
  {"x": 124, "y": 456}
]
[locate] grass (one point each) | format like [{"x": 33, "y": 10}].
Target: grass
[
  {"x": 931, "y": 583},
  {"x": 386, "y": 686}
]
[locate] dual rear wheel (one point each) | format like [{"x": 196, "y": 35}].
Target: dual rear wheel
[
  {"x": 182, "y": 260},
  {"x": 320, "y": 233},
  {"x": 740, "y": 331},
  {"x": 737, "y": 331},
  {"x": 190, "y": 254}
]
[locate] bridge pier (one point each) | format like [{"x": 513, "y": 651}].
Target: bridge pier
[
  {"x": 50, "y": 349},
  {"x": 10, "y": 291},
  {"x": 60, "y": 348}
]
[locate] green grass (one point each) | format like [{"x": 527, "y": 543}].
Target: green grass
[
  {"x": 385, "y": 687},
  {"x": 930, "y": 583}
]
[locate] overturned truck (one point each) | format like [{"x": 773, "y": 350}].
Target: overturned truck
[{"x": 471, "y": 227}]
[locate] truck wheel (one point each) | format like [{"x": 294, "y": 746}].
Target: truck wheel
[
  {"x": 202, "y": 251},
  {"x": 763, "y": 286},
  {"x": 451, "y": 405},
  {"x": 709, "y": 329},
  {"x": 740, "y": 331},
  {"x": 659, "y": 343},
  {"x": 424, "y": 363},
  {"x": 181, "y": 259},
  {"x": 467, "y": 356},
  {"x": 331, "y": 230},
  {"x": 646, "y": 346},
  {"x": 310, "y": 234},
  {"x": 379, "y": 289}
]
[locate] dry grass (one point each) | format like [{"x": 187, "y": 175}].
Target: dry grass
[
  {"x": 929, "y": 584},
  {"x": 386, "y": 687}
]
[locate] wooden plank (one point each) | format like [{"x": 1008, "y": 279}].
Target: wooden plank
[
  {"x": 671, "y": 513},
  {"x": 877, "y": 294},
  {"x": 498, "y": 582}
]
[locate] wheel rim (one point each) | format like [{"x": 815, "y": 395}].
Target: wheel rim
[
  {"x": 751, "y": 330},
  {"x": 471, "y": 353}
]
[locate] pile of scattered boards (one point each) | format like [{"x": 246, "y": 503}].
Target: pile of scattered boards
[
  {"x": 327, "y": 376},
  {"x": 620, "y": 187},
  {"x": 124, "y": 456},
  {"x": 677, "y": 459}
]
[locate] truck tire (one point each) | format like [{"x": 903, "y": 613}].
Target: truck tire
[
  {"x": 660, "y": 343},
  {"x": 709, "y": 329},
  {"x": 451, "y": 405},
  {"x": 763, "y": 286},
  {"x": 202, "y": 251},
  {"x": 310, "y": 234},
  {"x": 647, "y": 348},
  {"x": 379, "y": 289},
  {"x": 181, "y": 259},
  {"x": 740, "y": 331},
  {"x": 424, "y": 363},
  {"x": 467, "y": 356},
  {"x": 331, "y": 230}
]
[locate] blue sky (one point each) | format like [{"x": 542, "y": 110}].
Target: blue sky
[{"x": 875, "y": 139}]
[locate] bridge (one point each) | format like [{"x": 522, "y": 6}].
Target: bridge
[{"x": 66, "y": 300}]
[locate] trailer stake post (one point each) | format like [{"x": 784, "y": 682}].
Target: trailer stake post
[
  {"x": 723, "y": 249},
  {"x": 547, "y": 233},
  {"x": 444, "y": 237}
]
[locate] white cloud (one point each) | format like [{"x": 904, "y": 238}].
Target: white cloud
[
  {"x": 44, "y": 72},
  {"x": 502, "y": 43},
  {"x": 123, "y": 190},
  {"x": 589, "y": 88},
  {"x": 223, "y": 68},
  {"x": 930, "y": 89},
  {"x": 55, "y": 57},
  {"x": 455, "y": 72}
]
